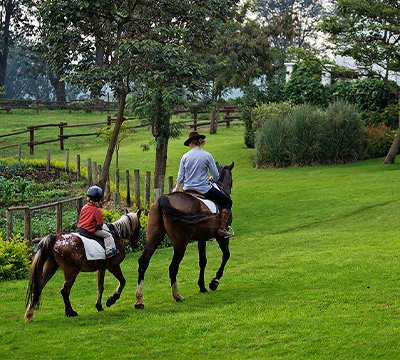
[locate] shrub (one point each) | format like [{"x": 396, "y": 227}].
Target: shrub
[
  {"x": 378, "y": 140},
  {"x": 343, "y": 134},
  {"x": 305, "y": 132},
  {"x": 14, "y": 259},
  {"x": 309, "y": 135},
  {"x": 272, "y": 143},
  {"x": 263, "y": 112}
]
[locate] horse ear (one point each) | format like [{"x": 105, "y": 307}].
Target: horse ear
[
  {"x": 126, "y": 211},
  {"x": 230, "y": 167},
  {"x": 139, "y": 213}
]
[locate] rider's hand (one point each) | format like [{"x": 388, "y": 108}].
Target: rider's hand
[
  {"x": 176, "y": 188},
  {"x": 211, "y": 179}
]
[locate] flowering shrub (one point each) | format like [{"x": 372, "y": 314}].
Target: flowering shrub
[{"x": 377, "y": 140}]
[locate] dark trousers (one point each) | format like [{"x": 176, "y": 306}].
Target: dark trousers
[{"x": 219, "y": 197}]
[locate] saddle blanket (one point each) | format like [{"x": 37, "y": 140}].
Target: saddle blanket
[
  {"x": 211, "y": 206},
  {"x": 94, "y": 251}
]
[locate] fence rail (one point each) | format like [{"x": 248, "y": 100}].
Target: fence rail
[
  {"x": 74, "y": 105},
  {"x": 193, "y": 123},
  {"x": 28, "y": 215}
]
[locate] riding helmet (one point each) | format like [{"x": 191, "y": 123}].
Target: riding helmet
[{"x": 95, "y": 193}]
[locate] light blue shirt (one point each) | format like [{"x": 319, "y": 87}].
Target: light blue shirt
[{"x": 194, "y": 168}]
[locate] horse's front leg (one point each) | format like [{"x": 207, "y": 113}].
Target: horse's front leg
[
  {"x": 224, "y": 246},
  {"x": 69, "y": 279},
  {"x": 100, "y": 288},
  {"x": 173, "y": 271},
  {"x": 117, "y": 272},
  {"x": 202, "y": 264}
]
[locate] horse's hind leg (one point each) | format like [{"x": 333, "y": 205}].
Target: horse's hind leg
[
  {"x": 69, "y": 279},
  {"x": 117, "y": 272},
  {"x": 173, "y": 271},
  {"x": 49, "y": 269},
  {"x": 224, "y": 246},
  {"x": 100, "y": 288},
  {"x": 202, "y": 265}
]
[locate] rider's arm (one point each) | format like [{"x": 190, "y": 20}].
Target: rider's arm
[{"x": 212, "y": 167}]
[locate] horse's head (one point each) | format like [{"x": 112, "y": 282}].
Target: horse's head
[
  {"x": 225, "y": 177},
  {"x": 128, "y": 227}
]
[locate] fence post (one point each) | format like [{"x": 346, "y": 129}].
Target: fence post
[
  {"x": 108, "y": 121},
  {"x": 117, "y": 196},
  {"x": 48, "y": 159},
  {"x": 95, "y": 175},
  {"x": 62, "y": 124},
  {"x": 67, "y": 160},
  {"x": 147, "y": 191},
  {"x": 59, "y": 218},
  {"x": 78, "y": 167},
  {"x": 170, "y": 183},
  {"x": 27, "y": 224},
  {"x": 137, "y": 187},
  {"x": 157, "y": 194},
  {"x": 9, "y": 222},
  {"x": 89, "y": 170},
  {"x": 128, "y": 187},
  {"x": 31, "y": 140},
  {"x": 19, "y": 153},
  {"x": 79, "y": 205}
]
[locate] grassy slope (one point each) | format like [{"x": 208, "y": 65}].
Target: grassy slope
[{"x": 313, "y": 274}]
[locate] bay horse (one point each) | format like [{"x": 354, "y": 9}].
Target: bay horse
[
  {"x": 184, "y": 217},
  {"x": 67, "y": 252}
]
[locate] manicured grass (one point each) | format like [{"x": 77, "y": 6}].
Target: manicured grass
[{"x": 313, "y": 274}]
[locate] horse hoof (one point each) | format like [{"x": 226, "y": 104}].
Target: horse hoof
[
  {"x": 178, "y": 298},
  {"x": 110, "y": 302},
  {"x": 214, "y": 284},
  {"x": 203, "y": 290},
  {"x": 99, "y": 307},
  {"x": 72, "y": 313},
  {"x": 139, "y": 306}
]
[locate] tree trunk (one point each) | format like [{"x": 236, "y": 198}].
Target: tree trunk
[
  {"x": 160, "y": 164},
  {"x": 113, "y": 140},
  {"x": 58, "y": 85},
  {"x": 394, "y": 148},
  {"x": 161, "y": 124},
  {"x": 4, "y": 51}
]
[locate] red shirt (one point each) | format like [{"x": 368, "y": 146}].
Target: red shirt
[{"x": 89, "y": 217}]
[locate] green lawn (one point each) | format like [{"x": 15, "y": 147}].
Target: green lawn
[{"x": 314, "y": 274}]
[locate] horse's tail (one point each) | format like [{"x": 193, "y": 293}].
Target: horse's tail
[
  {"x": 35, "y": 286},
  {"x": 188, "y": 218}
]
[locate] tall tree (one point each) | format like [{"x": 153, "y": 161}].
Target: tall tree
[
  {"x": 369, "y": 32},
  {"x": 15, "y": 21},
  {"x": 302, "y": 15},
  {"x": 125, "y": 43}
]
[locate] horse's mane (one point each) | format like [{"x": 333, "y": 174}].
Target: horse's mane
[
  {"x": 189, "y": 218},
  {"x": 125, "y": 225}
]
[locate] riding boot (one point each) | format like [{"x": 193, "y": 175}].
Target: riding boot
[{"x": 223, "y": 222}]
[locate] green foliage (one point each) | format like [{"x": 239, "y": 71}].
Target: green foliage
[
  {"x": 378, "y": 140},
  {"x": 343, "y": 136},
  {"x": 307, "y": 135},
  {"x": 16, "y": 189},
  {"x": 263, "y": 112},
  {"x": 252, "y": 95},
  {"x": 373, "y": 97},
  {"x": 14, "y": 258},
  {"x": 305, "y": 85}
]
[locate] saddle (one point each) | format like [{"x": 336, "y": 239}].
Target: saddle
[
  {"x": 92, "y": 236},
  {"x": 212, "y": 206}
]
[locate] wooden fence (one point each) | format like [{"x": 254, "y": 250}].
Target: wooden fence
[
  {"x": 227, "y": 110},
  {"x": 136, "y": 193},
  {"x": 38, "y": 105},
  {"x": 28, "y": 215}
]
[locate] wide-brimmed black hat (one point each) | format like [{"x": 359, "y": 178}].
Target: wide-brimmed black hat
[{"x": 193, "y": 136}]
